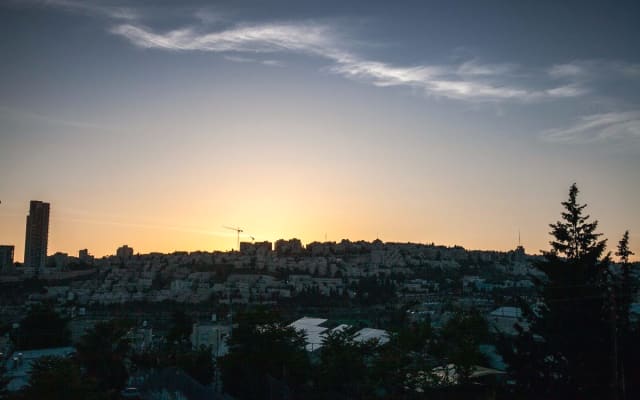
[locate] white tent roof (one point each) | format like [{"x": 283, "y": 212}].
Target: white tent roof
[
  {"x": 365, "y": 334},
  {"x": 312, "y": 330}
]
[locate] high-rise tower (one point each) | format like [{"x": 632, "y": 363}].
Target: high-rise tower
[
  {"x": 6, "y": 256},
  {"x": 35, "y": 246}
]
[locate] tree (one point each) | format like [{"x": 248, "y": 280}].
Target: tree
[
  {"x": 459, "y": 342},
  {"x": 623, "y": 249},
  {"x": 59, "y": 378},
  {"x": 567, "y": 351},
  {"x": 626, "y": 283},
  {"x": 415, "y": 336},
  {"x": 42, "y": 328},
  {"x": 574, "y": 236},
  {"x": 4, "y": 381},
  {"x": 198, "y": 364},
  {"x": 627, "y": 336},
  {"x": 343, "y": 368},
  {"x": 102, "y": 352},
  {"x": 181, "y": 326},
  {"x": 264, "y": 354}
]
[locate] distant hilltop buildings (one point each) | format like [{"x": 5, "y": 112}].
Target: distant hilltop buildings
[{"x": 255, "y": 255}]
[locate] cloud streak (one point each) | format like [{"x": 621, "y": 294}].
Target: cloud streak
[
  {"x": 597, "y": 128},
  {"x": 95, "y": 9},
  {"x": 470, "y": 80},
  {"x": 594, "y": 69}
]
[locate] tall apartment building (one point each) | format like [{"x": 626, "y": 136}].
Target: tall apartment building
[
  {"x": 6, "y": 256},
  {"x": 35, "y": 246}
]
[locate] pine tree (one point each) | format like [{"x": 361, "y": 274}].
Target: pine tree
[
  {"x": 623, "y": 249},
  {"x": 627, "y": 337},
  {"x": 569, "y": 339},
  {"x": 626, "y": 283},
  {"x": 575, "y": 237}
]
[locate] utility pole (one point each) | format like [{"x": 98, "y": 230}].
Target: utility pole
[{"x": 230, "y": 314}]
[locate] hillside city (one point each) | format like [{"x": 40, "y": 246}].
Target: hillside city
[{"x": 193, "y": 303}]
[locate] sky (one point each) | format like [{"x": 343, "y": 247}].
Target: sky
[{"x": 156, "y": 124}]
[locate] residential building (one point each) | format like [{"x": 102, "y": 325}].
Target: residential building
[
  {"x": 124, "y": 252},
  {"x": 260, "y": 249},
  {"x": 211, "y": 334},
  {"x": 60, "y": 260},
  {"x": 85, "y": 257},
  {"x": 6, "y": 256},
  {"x": 503, "y": 320},
  {"x": 288, "y": 247}
]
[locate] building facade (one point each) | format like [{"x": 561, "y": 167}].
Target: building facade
[
  {"x": 85, "y": 257},
  {"x": 124, "y": 252},
  {"x": 37, "y": 235},
  {"x": 6, "y": 256}
]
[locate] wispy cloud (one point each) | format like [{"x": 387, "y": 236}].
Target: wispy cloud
[
  {"x": 475, "y": 68},
  {"x": 594, "y": 69},
  {"x": 597, "y": 128},
  {"x": 91, "y": 8},
  {"x": 272, "y": 63},
  {"x": 479, "y": 83},
  {"x": 265, "y": 38},
  {"x": 569, "y": 70},
  {"x": 239, "y": 59},
  {"x": 470, "y": 80}
]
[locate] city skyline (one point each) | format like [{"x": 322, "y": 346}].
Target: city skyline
[
  {"x": 41, "y": 210},
  {"x": 156, "y": 124}
]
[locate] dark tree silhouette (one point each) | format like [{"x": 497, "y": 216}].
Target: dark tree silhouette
[
  {"x": 567, "y": 351},
  {"x": 628, "y": 336},
  {"x": 58, "y": 378},
  {"x": 102, "y": 352},
  {"x": 265, "y": 356},
  {"x": 198, "y": 364},
  {"x": 343, "y": 368},
  {"x": 4, "y": 381},
  {"x": 575, "y": 237},
  {"x": 181, "y": 326},
  {"x": 42, "y": 328},
  {"x": 623, "y": 249},
  {"x": 459, "y": 342},
  {"x": 626, "y": 282}
]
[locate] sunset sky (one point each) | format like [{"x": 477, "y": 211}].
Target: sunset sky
[{"x": 156, "y": 123}]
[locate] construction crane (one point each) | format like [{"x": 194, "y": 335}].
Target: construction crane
[{"x": 238, "y": 231}]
